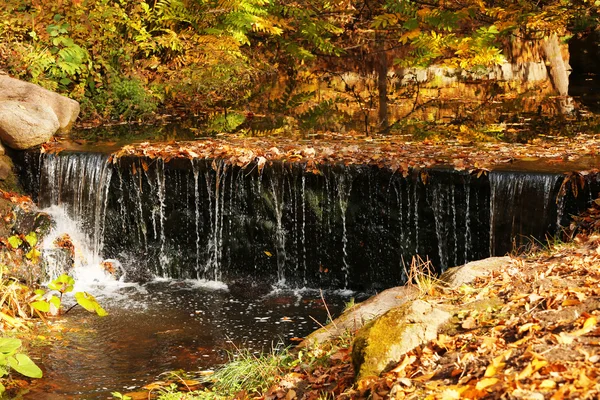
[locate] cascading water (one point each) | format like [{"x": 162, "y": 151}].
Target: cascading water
[
  {"x": 350, "y": 226},
  {"x": 524, "y": 207}
]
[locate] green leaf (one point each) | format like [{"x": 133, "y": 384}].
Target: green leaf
[
  {"x": 32, "y": 239},
  {"x": 63, "y": 284},
  {"x": 55, "y": 301},
  {"x": 23, "y": 365},
  {"x": 33, "y": 254},
  {"x": 15, "y": 241},
  {"x": 90, "y": 303},
  {"x": 42, "y": 306},
  {"x": 9, "y": 345}
]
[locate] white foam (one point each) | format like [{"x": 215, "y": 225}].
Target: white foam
[{"x": 206, "y": 284}]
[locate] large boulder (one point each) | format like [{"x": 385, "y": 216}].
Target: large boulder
[
  {"x": 383, "y": 342},
  {"x": 66, "y": 109},
  {"x": 356, "y": 317},
  {"x": 30, "y": 114},
  {"x": 466, "y": 274},
  {"x": 25, "y": 125}
]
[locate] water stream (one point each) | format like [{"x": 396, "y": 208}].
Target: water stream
[{"x": 213, "y": 256}]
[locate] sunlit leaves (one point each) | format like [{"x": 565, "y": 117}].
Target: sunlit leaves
[
  {"x": 63, "y": 284},
  {"x": 23, "y": 365},
  {"x": 90, "y": 303},
  {"x": 9, "y": 358}
]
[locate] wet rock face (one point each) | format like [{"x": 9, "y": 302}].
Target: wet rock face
[
  {"x": 585, "y": 79},
  {"x": 30, "y": 114},
  {"x": 22, "y": 228},
  {"x": 348, "y": 227}
]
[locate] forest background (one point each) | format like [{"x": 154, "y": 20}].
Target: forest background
[{"x": 303, "y": 65}]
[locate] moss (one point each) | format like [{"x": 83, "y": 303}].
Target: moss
[
  {"x": 375, "y": 340},
  {"x": 9, "y": 181},
  {"x": 384, "y": 341}
]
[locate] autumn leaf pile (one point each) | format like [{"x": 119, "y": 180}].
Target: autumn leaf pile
[
  {"x": 391, "y": 152},
  {"x": 539, "y": 340}
]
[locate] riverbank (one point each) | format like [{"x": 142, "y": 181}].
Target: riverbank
[{"x": 538, "y": 340}]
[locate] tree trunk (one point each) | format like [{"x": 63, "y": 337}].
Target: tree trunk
[
  {"x": 382, "y": 72},
  {"x": 559, "y": 71}
]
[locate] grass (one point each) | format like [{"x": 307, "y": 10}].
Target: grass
[{"x": 421, "y": 274}]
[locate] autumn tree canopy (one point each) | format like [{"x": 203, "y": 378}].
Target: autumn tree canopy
[{"x": 125, "y": 58}]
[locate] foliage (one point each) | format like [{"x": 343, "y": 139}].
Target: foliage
[
  {"x": 50, "y": 301},
  {"x": 129, "y": 60},
  {"x": 10, "y": 358},
  {"x": 250, "y": 373}
]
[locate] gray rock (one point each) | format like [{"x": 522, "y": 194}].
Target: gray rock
[
  {"x": 382, "y": 343},
  {"x": 465, "y": 274},
  {"x": 65, "y": 109},
  {"x": 26, "y": 125},
  {"x": 356, "y": 317}
]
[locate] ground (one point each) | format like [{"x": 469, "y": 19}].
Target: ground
[{"x": 541, "y": 342}]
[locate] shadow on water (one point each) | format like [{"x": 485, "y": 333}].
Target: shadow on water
[{"x": 166, "y": 326}]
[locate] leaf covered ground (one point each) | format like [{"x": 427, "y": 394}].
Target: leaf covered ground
[{"x": 541, "y": 340}]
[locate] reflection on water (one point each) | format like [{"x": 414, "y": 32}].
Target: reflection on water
[{"x": 165, "y": 326}]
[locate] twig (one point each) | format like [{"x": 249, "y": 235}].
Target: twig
[{"x": 327, "y": 309}]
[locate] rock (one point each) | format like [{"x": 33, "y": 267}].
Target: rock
[
  {"x": 9, "y": 181},
  {"x": 25, "y": 125},
  {"x": 66, "y": 110},
  {"x": 356, "y": 317},
  {"x": 465, "y": 274},
  {"x": 381, "y": 343}
]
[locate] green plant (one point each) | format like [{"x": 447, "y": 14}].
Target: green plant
[
  {"x": 131, "y": 99},
  {"x": 120, "y": 396},
  {"x": 421, "y": 274},
  {"x": 50, "y": 301},
  {"x": 10, "y": 358},
  {"x": 250, "y": 372}
]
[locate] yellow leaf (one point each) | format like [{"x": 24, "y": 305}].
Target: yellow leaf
[
  {"x": 583, "y": 381},
  {"x": 450, "y": 394},
  {"x": 590, "y": 323},
  {"x": 406, "y": 361},
  {"x": 588, "y": 326},
  {"x": 564, "y": 338},
  {"x": 529, "y": 327},
  {"x": 496, "y": 365},
  {"x": 547, "y": 384},
  {"x": 486, "y": 382},
  {"x": 268, "y": 253},
  {"x": 526, "y": 372}
]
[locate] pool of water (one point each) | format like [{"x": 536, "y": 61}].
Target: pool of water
[{"x": 169, "y": 325}]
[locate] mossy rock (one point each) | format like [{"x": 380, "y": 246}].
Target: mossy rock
[
  {"x": 380, "y": 344},
  {"x": 360, "y": 314},
  {"x": 9, "y": 181}
]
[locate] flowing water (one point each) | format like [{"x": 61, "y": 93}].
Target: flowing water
[
  {"x": 162, "y": 325},
  {"x": 165, "y": 326},
  {"x": 214, "y": 254}
]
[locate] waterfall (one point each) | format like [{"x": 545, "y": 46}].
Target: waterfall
[
  {"x": 80, "y": 184},
  {"x": 523, "y": 208},
  {"x": 345, "y": 227}
]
